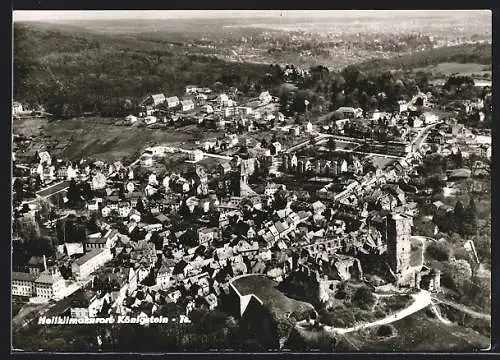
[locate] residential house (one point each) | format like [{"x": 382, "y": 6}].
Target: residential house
[
  {"x": 196, "y": 155},
  {"x": 172, "y": 102},
  {"x": 208, "y": 109},
  {"x": 150, "y": 119},
  {"x": 17, "y": 108},
  {"x": 131, "y": 119},
  {"x": 308, "y": 127},
  {"x": 153, "y": 100},
  {"x": 265, "y": 97},
  {"x": 106, "y": 211},
  {"x": 187, "y": 105},
  {"x": 124, "y": 209},
  {"x": 207, "y": 235},
  {"x": 192, "y": 89},
  {"x": 402, "y": 106},
  {"x": 347, "y": 112},
  {"x": 88, "y": 303},
  {"x": 275, "y": 148}
]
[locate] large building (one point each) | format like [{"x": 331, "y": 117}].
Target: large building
[
  {"x": 49, "y": 284},
  {"x": 23, "y": 284},
  {"x": 88, "y": 263}
]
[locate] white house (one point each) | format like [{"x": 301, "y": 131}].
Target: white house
[
  {"x": 131, "y": 119},
  {"x": 172, "y": 102},
  {"x": 153, "y": 100},
  {"x": 152, "y": 179},
  {"x": 429, "y": 118},
  {"x": 187, "y": 105},
  {"x": 417, "y": 122},
  {"x": 17, "y": 108},
  {"x": 72, "y": 172},
  {"x": 106, "y": 211},
  {"x": 343, "y": 166},
  {"x": 147, "y": 159},
  {"x": 265, "y": 97},
  {"x": 201, "y": 97},
  {"x": 207, "y": 109},
  {"x": 124, "y": 209},
  {"x": 223, "y": 100},
  {"x": 150, "y": 190},
  {"x": 196, "y": 155},
  {"x": 93, "y": 205},
  {"x": 309, "y": 127},
  {"x": 98, "y": 181},
  {"x": 166, "y": 182},
  {"x": 45, "y": 157},
  {"x": 193, "y": 89},
  {"x": 403, "y": 106},
  {"x": 150, "y": 120}
]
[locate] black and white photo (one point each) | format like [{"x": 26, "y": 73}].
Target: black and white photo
[{"x": 251, "y": 181}]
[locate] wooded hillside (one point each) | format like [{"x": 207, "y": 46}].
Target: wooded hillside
[{"x": 71, "y": 71}]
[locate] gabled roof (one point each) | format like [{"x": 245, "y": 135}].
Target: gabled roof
[{"x": 172, "y": 99}]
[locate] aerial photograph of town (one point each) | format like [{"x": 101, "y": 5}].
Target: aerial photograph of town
[{"x": 251, "y": 181}]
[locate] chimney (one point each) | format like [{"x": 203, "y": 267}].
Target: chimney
[{"x": 44, "y": 262}]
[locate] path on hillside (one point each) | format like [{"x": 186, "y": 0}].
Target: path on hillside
[
  {"x": 463, "y": 308},
  {"x": 420, "y": 301}
]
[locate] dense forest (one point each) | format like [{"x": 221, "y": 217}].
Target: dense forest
[{"x": 70, "y": 72}]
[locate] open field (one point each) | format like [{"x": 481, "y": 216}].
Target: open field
[
  {"x": 413, "y": 335},
  {"x": 448, "y": 68},
  {"x": 99, "y": 138},
  {"x": 265, "y": 289}
]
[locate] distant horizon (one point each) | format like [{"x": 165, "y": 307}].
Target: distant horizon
[{"x": 82, "y": 15}]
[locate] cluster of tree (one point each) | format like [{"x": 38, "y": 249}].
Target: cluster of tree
[
  {"x": 352, "y": 86},
  {"x": 462, "y": 220},
  {"x": 25, "y": 188},
  {"x": 458, "y": 82},
  {"x": 77, "y": 193},
  {"x": 363, "y": 298},
  {"x": 440, "y": 250},
  {"x": 456, "y": 273},
  {"x": 72, "y": 229}
]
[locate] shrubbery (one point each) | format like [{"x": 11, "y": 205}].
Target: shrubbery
[
  {"x": 386, "y": 330},
  {"x": 440, "y": 250},
  {"x": 363, "y": 298}
]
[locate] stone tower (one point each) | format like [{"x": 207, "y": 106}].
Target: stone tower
[{"x": 399, "y": 243}]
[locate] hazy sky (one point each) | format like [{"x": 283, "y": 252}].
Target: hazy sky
[{"x": 46, "y": 15}]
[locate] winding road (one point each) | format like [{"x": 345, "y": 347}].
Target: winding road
[{"x": 420, "y": 301}]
